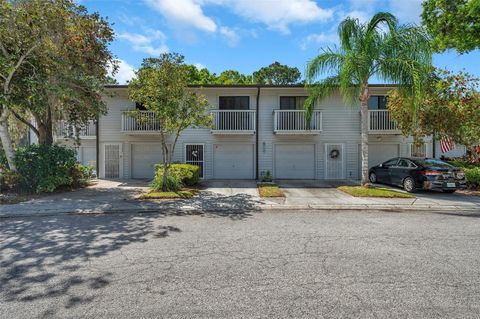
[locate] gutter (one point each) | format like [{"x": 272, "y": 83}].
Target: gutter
[
  {"x": 257, "y": 120},
  {"x": 97, "y": 145}
]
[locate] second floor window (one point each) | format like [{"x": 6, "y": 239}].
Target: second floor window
[
  {"x": 377, "y": 102},
  {"x": 292, "y": 102},
  {"x": 234, "y": 103}
]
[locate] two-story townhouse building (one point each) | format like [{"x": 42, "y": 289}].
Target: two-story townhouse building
[{"x": 256, "y": 129}]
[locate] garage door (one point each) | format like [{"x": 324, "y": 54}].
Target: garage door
[
  {"x": 294, "y": 161},
  {"x": 379, "y": 153},
  {"x": 233, "y": 161},
  {"x": 144, "y": 157}
]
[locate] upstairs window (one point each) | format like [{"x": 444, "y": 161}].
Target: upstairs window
[
  {"x": 292, "y": 102},
  {"x": 377, "y": 102},
  {"x": 234, "y": 103}
]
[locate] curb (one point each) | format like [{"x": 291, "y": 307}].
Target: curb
[{"x": 263, "y": 208}]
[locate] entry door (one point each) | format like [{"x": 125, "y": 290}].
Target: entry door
[
  {"x": 112, "y": 158},
  {"x": 334, "y": 162},
  {"x": 194, "y": 154}
]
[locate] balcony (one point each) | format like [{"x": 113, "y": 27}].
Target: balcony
[
  {"x": 294, "y": 122},
  {"x": 233, "y": 121},
  {"x": 67, "y": 130},
  {"x": 380, "y": 122},
  {"x": 140, "y": 122}
]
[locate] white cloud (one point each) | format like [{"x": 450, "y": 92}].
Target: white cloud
[
  {"x": 199, "y": 66},
  {"x": 153, "y": 42},
  {"x": 279, "y": 14},
  {"x": 124, "y": 73},
  {"x": 184, "y": 13},
  {"x": 362, "y": 16},
  {"x": 319, "y": 39},
  {"x": 230, "y": 35}
]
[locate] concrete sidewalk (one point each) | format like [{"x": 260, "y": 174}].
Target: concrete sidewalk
[{"x": 228, "y": 196}]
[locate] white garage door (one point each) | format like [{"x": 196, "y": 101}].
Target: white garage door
[
  {"x": 233, "y": 161},
  {"x": 88, "y": 156},
  {"x": 144, "y": 157},
  {"x": 294, "y": 161},
  {"x": 379, "y": 153}
]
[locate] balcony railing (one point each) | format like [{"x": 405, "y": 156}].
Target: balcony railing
[
  {"x": 380, "y": 121},
  {"x": 233, "y": 121},
  {"x": 140, "y": 122},
  {"x": 67, "y": 130},
  {"x": 294, "y": 122}
]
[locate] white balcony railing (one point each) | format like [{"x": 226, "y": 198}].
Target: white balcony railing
[
  {"x": 233, "y": 121},
  {"x": 140, "y": 121},
  {"x": 293, "y": 121},
  {"x": 380, "y": 121},
  {"x": 67, "y": 130}
]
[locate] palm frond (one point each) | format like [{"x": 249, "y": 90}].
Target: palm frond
[
  {"x": 318, "y": 91},
  {"x": 388, "y": 18},
  {"x": 329, "y": 61}
]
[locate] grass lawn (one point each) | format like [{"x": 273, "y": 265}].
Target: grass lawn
[
  {"x": 270, "y": 190},
  {"x": 360, "y": 191},
  {"x": 12, "y": 199},
  {"x": 184, "y": 193}
]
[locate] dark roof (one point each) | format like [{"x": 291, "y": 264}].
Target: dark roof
[{"x": 124, "y": 86}]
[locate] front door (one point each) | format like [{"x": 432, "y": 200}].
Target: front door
[
  {"x": 112, "y": 158},
  {"x": 194, "y": 154},
  {"x": 334, "y": 162}
]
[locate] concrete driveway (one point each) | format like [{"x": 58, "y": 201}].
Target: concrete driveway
[{"x": 321, "y": 193}]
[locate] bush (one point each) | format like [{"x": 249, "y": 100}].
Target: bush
[
  {"x": 186, "y": 174},
  {"x": 44, "y": 168},
  {"x": 267, "y": 177},
  {"x": 473, "y": 177},
  {"x": 8, "y": 180},
  {"x": 81, "y": 174},
  {"x": 173, "y": 184}
]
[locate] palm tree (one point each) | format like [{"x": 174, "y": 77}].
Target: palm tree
[{"x": 381, "y": 48}]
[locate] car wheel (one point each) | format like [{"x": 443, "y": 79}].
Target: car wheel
[
  {"x": 449, "y": 191},
  {"x": 409, "y": 185},
  {"x": 372, "y": 177}
]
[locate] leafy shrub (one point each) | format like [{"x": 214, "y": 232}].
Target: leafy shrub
[
  {"x": 186, "y": 174},
  {"x": 44, "y": 168},
  {"x": 463, "y": 163},
  {"x": 473, "y": 177},
  {"x": 8, "y": 180},
  {"x": 173, "y": 184},
  {"x": 267, "y": 177},
  {"x": 81, "y": 174}
]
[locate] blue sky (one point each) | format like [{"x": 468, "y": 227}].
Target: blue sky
[{"x": 244, "y": 35}]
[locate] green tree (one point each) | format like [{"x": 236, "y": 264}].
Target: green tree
[
  {"x": 53, "y": 64},
  {"x": 233, "y": 77},
  {"x": 450, "y": 108},
  {"x": 161, "y": 86},
  {"x": 381, "y": 48},
  {"x": 202, "y": 76},
  {"x": 453, "y": 24},
  {"x": 277, "y": 73}
]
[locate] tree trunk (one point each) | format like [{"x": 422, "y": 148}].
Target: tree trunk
[
  {"x": 45, "y": 134},
  {"x": 364, "y": 134},
  {"x": 6, "y": 140}
]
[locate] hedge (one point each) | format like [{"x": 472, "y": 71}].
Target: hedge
[{"x": 187, "y": 174}]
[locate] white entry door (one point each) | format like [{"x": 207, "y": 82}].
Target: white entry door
[
  {"x": 334, "y": 161},
  {"x": 294, "y": 161},
  {"x": 233, "y": 161},
  {"x": 112, "y": 158}
]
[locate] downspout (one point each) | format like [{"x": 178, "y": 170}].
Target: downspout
[
  {"x": 97, "y": 145},
  {"x": 434, "y": 146},
  {"x": 256, "y": 133}
]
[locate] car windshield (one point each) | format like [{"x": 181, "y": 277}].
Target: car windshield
[{"x": 435, "y": 163}]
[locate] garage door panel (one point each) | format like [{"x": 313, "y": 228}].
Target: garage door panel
[
  {"x": 294, "y": 161},
  {"x": 379, "y": 153},
  {"x": 233, "y": 161},
  {"x": 144, "y": 158}
]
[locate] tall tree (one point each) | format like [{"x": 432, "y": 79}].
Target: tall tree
[
  {"x": 277, "y": 73},
  {"x": 161, "y": 86},
  {"x": 454, "y": 24},
  {"x": 382, "y": 48},
  {"x": 449, "y": 108},
  {"x": 233, "y": 77},
  {"x": 64, "y": 72}
]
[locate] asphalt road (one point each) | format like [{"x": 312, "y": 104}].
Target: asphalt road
[{"x": 248, "y": 265}]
